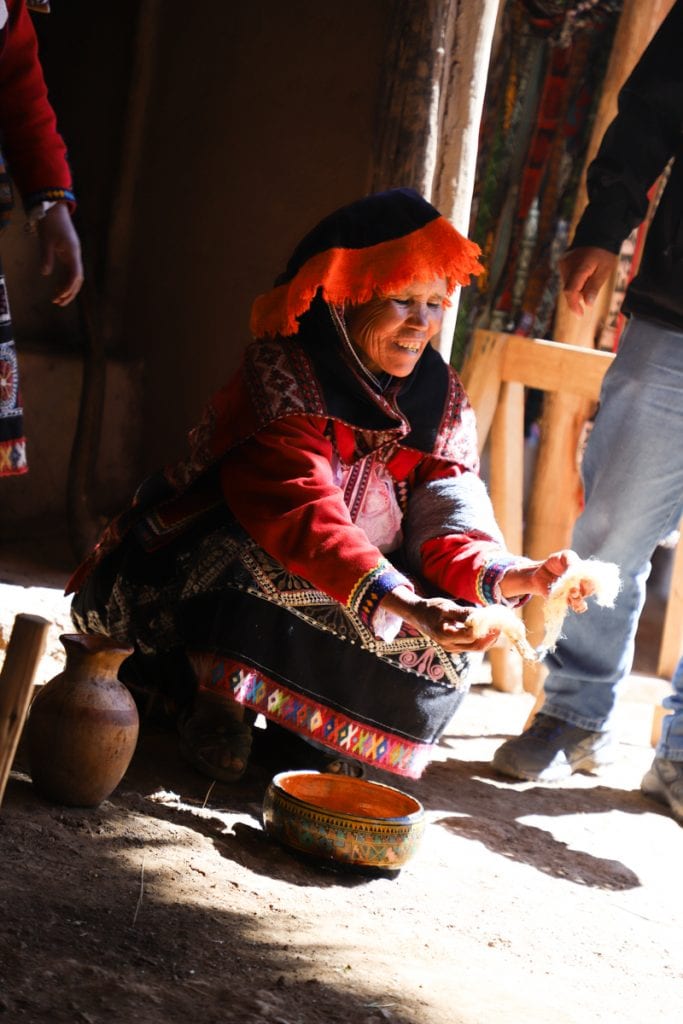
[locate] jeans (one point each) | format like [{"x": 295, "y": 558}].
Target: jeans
[{"x": 633, "y": 479}]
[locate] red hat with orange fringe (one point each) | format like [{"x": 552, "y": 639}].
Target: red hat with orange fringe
[{"x": 377, "y": 245}]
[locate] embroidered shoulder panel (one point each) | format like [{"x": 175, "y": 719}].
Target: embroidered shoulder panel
[
  {"x": 281, "y": 381},
  {"x": 457, "y": 437}
]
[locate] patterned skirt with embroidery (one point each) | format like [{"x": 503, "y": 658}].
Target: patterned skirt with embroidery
[
  {"x": 12, "y": 440},
  {"x": 258, "y": 634}
]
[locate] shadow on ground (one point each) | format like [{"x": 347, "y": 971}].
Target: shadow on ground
[{"x": 98, "y": 922}]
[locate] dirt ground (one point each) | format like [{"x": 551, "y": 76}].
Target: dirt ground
[{"x": 525, "y": 903}]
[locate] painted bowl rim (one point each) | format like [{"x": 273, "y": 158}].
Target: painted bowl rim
[{"x": 413, "y": 818}]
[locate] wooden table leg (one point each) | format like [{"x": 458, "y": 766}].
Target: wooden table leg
[{"x": 507, "y": 483}]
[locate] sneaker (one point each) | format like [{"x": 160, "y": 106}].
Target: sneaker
[
  {"x": 552, "y": 749},
  {"x": 664, "y": 782}
]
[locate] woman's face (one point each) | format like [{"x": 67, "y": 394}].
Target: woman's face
[{"x": 390, "y": 332}]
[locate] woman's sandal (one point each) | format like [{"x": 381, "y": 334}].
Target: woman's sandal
[
  {"x": 344, "y": 766},
  {"x": 281, "y": 749},
  {"x": 216, "y": 740}
]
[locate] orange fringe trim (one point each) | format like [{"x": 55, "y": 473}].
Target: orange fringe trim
[{"x": 356, "y": 275}]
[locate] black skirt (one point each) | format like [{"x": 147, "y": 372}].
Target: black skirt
[{"x": 255, "y": 633}]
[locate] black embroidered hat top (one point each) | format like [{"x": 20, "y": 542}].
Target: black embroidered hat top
[{"x": 377, "y": 245}]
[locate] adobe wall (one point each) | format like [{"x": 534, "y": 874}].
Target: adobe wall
[{"x": 260, "y": 120}]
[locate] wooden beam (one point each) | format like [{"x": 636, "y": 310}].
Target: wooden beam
[
  {"x": 495, "y": 357},
  {"x": 552, "y": 366}
]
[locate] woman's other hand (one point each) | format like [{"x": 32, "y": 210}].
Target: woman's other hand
[
  {"x": 439, "y": 619},
  {"x": 537, "y": 578},
  {"x": 59, "y": 244}
]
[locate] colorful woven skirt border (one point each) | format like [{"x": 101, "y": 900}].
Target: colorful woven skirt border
[
  {"x": 269, "y": 640},
  {"x": 12, "y": 440},
  {"x": 340, "y": 732}
]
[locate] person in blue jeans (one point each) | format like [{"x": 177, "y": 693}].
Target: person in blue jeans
[{"x": 633, "y": 463}]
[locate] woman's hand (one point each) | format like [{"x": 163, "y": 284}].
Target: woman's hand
[
  {"x": 538, "y": 577},
  {"x": 59, "y": 243},
  {"x": 439, "y": 619}
]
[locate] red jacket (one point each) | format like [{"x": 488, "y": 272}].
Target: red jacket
[
  {"x": 33, "y": 148},
  {"x": 280, "y": 487}
]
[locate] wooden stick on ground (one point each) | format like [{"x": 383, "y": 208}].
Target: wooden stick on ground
[{"x": 24, "y": 651}]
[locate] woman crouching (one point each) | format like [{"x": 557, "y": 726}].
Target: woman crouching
[{"x": 315, "y": 557}]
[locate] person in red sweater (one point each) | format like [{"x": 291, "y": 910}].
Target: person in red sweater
[
  {"x": 303, "y": 561},
  {"x": 34, "y": 155}
]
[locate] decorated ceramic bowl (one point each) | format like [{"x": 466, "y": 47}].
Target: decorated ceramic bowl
[{"x": 343, "y": 820}]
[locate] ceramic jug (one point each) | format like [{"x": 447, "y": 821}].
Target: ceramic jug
[{"x": 82, "y": 725}]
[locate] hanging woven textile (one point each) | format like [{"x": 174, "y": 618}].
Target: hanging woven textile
[{"x": 540, "y": 104}]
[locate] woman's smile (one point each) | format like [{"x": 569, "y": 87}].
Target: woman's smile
[{"x": 390, "y": 332}]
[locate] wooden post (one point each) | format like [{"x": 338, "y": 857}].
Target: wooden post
[
  {"x": 507, "y": 482},
  {"x": 555, "y": 498},
  {"x": 408, "y": 114},
  {"x": 481, "y": 376},
  {"x": 469, "y": 38},
  {"x": 507, "y": 463},
  {"x": 435, "y": 73},
  {"x": 24, "y": 651}
]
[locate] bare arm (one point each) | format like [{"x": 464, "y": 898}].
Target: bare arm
[{"x": 59, "y": 244}]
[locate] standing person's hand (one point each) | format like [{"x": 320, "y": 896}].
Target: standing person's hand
[
  {"x": 59, "y": 244},
  {"x": 583, "y": 272}
]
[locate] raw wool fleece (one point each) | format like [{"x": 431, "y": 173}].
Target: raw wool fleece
[
  {"x": 606, "y": 582},
  {"x": 496, "y": 616},
  {"x": 606, "y": 585}
]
